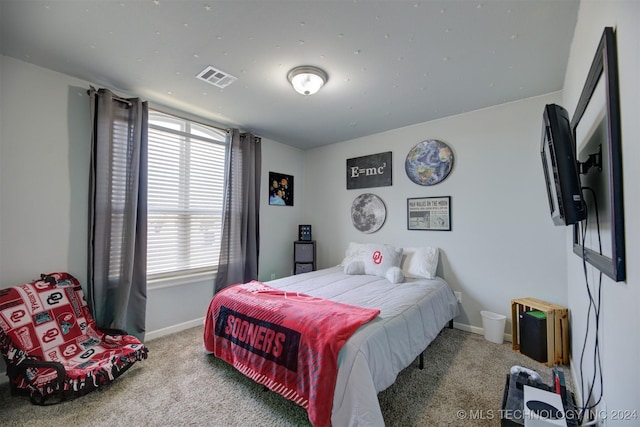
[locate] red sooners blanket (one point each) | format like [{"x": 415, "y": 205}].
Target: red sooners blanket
[{"x": 287, "y": 341}]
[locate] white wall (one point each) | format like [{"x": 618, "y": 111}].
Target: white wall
[
  {"x": 279, "y": 224},
  {"x": 620, "y": 321},
  {"x": 502, "y": 244},
  {"x": 44, "y": 173}
]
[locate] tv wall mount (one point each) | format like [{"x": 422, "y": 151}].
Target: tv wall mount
[{"x": 594, "y": 160}]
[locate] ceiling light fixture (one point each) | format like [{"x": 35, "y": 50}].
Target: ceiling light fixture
[{"x": 307, "y": 80}]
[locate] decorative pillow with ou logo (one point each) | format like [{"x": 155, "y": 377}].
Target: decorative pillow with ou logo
[{"x": 383, "y": 261}]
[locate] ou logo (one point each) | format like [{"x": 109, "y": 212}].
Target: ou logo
[
  {"x": 70, "y": 350},
  {"x": 50, "y": 335},
  {"x": 17, "y": 315},
  {"x": 54, "y": 298},
  {"x": 377, "y": 257},
  {"x": 87, "y": 354}
]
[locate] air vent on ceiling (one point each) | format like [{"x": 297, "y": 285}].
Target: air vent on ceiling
[{"x": 216, "y": 77}]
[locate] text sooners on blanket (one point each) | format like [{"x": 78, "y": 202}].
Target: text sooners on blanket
[{"x": 287, "y": 341}]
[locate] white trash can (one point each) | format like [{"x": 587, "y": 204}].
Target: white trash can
[{"x": 493, "y": 325}]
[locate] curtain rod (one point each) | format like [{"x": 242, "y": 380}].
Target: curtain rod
[
  {"x": 181, "y": 115},
  {"x": 126, "y": 101},
  {"x": 116, "y": 98}
]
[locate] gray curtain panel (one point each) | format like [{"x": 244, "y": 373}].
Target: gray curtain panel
[
  {"x": 240, "y": 247},
  {"x": 117, "y": 288}
]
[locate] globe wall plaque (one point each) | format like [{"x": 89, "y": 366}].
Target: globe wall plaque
[
  {"x": 429, "y": 162},
  {"x": 368, "y": 213}
]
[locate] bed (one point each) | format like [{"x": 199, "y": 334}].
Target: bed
[{"x": 412, "y": 313}]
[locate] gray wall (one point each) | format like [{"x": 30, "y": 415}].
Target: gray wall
[
  {"x": 502, "y": 244},
  {"x": 44, "y": 171},
  {"x": 279, "y": 224}
]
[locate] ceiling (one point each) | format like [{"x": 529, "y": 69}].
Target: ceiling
[{"x": 390, "y": 63}]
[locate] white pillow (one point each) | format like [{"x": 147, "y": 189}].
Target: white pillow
[
  {"x": 420, "y": 262},
  {"x": 355, "y": 251},
  {"x": 380, "y": 258},
  {"x": 355, "y": 266},
  {"x": 394, "y": 275}
]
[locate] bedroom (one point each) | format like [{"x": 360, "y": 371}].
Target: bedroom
[{"x": 494, "y": 252}]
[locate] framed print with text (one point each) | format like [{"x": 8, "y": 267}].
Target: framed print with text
[{"x": 429, "y": 213}]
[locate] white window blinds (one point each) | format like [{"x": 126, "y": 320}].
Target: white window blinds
[{"x": 185, "y": 196}]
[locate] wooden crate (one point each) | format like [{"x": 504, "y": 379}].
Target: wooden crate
[{"x": 557, "y": 327}]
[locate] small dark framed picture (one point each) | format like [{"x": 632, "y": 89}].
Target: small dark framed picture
[
  {"x": 280, "y": 189},
  {"x": 304, "y": 232},
  {"x": 429, "y": 213}
]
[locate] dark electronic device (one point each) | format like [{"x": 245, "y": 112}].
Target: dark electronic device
[
  {"x": 512, "y": 412},
  {"x": 533, "y": 335},
  {"x": 561, "y": 170}
]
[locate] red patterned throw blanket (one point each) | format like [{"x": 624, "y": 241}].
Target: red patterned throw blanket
[
  {"x": 48, "y": 320},
  {"x": 287, "y": 341}
]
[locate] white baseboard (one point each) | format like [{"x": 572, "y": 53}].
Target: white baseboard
[
  {"x": 477, "y": 330},
  {"x": 173, "y": 329}
]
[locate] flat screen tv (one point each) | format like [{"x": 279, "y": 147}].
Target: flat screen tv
[{"x": 561, "y": 170}]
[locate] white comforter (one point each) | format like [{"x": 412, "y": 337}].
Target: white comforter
[{"x": 412, "y": 313}]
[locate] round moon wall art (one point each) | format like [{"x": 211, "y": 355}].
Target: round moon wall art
[
  {"x": 429, "y": 162},
  {"x": 368, "y": 213}
]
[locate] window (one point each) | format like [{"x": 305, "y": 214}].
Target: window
[{"x": 185, "y": 196}]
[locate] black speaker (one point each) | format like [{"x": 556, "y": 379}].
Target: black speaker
[{"x": 533, "y": 335}]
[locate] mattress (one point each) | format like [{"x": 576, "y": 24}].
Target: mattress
[{"x": 412, "y": 314}]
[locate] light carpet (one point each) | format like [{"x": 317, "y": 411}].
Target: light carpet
[{"x": 179, "y": 385}]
